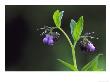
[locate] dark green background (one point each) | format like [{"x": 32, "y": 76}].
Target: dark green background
[{"x": 24, "y": 49}]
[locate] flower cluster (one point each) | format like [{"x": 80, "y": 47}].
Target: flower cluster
[
  {"x": 88, "y": 47},
  {"x": 86, "y": 44},
  {"x": 48, "y": 39},
  {"x": 50, "y": 36}
]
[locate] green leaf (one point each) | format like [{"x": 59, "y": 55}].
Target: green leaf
[
  {"x": 57, "y": 16},
  {"x": 72, "y": 25},
  {"x": 76, "y": 28},
  {"x": 67, "y": 65},
  {"x": 92, "y": 65}
]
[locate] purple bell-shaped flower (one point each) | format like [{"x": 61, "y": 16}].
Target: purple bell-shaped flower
[
  {"x": 90, "y": 47},
  {"x": 48, "y": 39}
]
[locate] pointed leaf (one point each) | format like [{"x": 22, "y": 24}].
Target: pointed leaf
[
  {"x": 92, "y": 65},
  {"x": 76, "y": 28},
  {"x": 72, "y": 25},
  {"x": 67, "y": 65},
  {"x": 57, "y": 16}
]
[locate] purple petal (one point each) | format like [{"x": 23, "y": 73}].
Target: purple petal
[
  {"x": 50, "y": 42},
  {"x": 48, "y": 39},
  {"x": 45, "y": 40},
  {"x": 90, "y": 47}
]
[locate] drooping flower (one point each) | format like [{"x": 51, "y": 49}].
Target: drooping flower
[
  {"x": 51, "y": 36},
  {"x": 86, "y": 44},
  {"x": 90, "y": 47},
  {"x": 48, "y": 39}
]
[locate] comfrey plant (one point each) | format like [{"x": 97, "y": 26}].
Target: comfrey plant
[{"x": 50, "y": 37}]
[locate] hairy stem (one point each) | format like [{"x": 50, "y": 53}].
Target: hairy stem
[{"x": 72, "y": 47}]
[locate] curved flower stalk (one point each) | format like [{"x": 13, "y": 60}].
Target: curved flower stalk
[{"x": 76, "y": 31}]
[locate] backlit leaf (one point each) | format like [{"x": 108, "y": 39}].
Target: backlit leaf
[{"x": 57, "y": 16}]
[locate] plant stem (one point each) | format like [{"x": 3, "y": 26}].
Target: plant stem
[
  {"x": 66, "y": 37},
  {"x": 74, "y": 58},
  {"x": 72, "y": 47}
]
